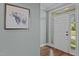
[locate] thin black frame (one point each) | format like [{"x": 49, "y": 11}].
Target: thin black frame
[{"x": 5, "y": 18}]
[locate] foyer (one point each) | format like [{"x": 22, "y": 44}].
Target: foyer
[{"x": 59, "y": 29}]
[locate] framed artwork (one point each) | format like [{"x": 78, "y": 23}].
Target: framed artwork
[{"x": 16, "y": 17}]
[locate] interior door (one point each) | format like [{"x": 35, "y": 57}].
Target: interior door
[{"x": 61, "y": 28}]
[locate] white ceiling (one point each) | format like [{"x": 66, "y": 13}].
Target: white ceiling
[{"x": 49, "y": 6}]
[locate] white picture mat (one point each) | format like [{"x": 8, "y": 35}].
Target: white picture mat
[{"x": 10, "y": 22}]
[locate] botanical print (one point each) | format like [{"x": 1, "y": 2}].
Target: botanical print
[{"x": 16, "y": 17}]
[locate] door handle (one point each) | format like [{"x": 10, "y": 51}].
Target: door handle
[{"x": 66, "y": 33}]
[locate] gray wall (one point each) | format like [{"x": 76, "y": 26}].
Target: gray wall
[
  {"x": 42, "y": 27},
  {"x": 21, "y": 42}
]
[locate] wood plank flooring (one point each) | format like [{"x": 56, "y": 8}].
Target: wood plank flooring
[{"x": 44, "y": 51}]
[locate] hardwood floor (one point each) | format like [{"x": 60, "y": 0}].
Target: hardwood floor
[
  {"x": 44, "y": 51},
  {"x": 58, "y": 52}
]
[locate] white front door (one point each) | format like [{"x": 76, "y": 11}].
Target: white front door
[{"x": 61, "y": 29}]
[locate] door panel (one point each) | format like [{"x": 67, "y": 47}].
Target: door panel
[{"x": 61, "y": 23}]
